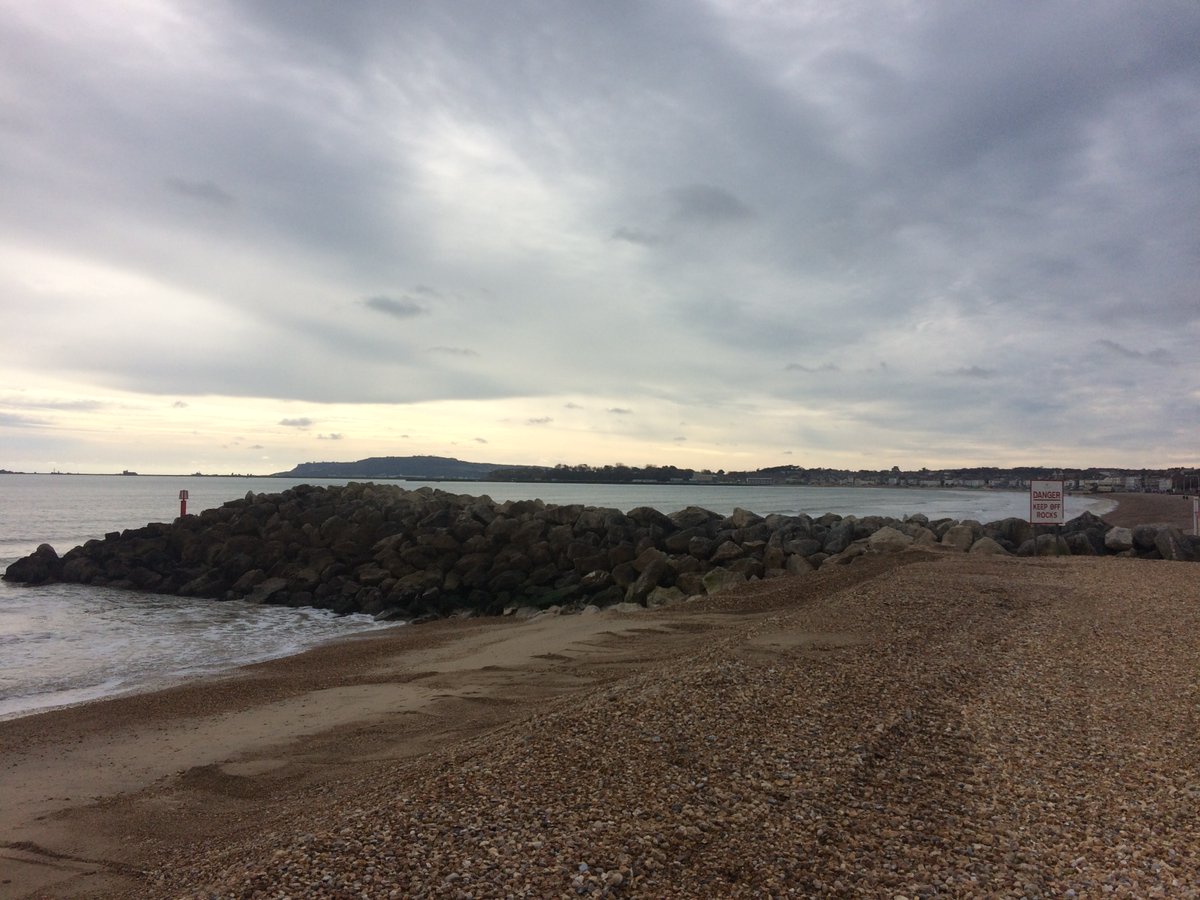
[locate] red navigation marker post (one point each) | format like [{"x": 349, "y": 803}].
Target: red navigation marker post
[{"x": 182, "y": 503}]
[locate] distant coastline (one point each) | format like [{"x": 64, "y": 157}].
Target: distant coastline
[{"x": 448, "y": 470}]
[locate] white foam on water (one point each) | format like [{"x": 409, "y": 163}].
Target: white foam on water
[{"x": 64, "y": 644}]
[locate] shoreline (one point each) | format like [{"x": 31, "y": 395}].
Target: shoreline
[{"x": 1128, "y": 510}]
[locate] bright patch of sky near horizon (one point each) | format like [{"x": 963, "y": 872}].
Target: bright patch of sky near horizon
[{"x": 237, "y": 236}]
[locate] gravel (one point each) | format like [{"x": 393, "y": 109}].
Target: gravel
[{"x": 952, "y": 728}]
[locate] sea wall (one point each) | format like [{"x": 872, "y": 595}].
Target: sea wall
[{"x": 387, "y": 551}]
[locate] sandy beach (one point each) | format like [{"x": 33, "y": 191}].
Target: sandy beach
[
  {"x": 922, "y": 724},
  {"x": 1136, "y": 509}
]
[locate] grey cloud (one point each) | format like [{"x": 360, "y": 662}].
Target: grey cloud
[
  {"x": 303, "y": 422},
  {"x": 13, "y": 420},
  {"x": 63, "y": 405},
  {"x": 1158, "y": 357},
  {"x": 811, "y": 370},
  {"x": 972, "y": 372},
  {"x": 636, "y": 236},
  {"x": 707, "y": 204},
  {"x": 207, "y": 191},
  {"x": 480, "y": 440},
  {"x": 540, "y": 420},
  {"x": 620, "y": 411},
  {"x": 179, "y": 404},
  {"x": 454, "y": 351},
  {"x": 334, "y": 436},
  {"x": 402, "y": 308}
]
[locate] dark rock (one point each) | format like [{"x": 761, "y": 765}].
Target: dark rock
[
  {"x": 377, "y": 548},
  {"x": 658, "y": 572},
  {"x": 727, "y": 551},
  {"x": 693, "y": 517},
  {"x": 1173, "y": 544},
  {"x": 1145, "y": 537},
  {"x": 838, "y": 538}
]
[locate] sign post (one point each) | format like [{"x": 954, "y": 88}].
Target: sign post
[
  {"x": 1196, "y": 515},
  {"x": 182, "y": 504},
  {"x": 1047, "y": 503}
]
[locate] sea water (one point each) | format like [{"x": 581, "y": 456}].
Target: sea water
[{"x": 64, "y": 644}]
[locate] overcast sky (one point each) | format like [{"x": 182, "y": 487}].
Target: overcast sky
[{"x": 236, "y": 236}]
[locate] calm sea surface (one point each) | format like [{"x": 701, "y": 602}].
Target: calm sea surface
[{"x": 63, "y": 644}]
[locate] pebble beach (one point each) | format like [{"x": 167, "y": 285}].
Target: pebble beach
[{"x": 916, "y": 725}]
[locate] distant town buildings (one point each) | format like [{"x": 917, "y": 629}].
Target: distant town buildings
[{"x": 1097, "y": 481}]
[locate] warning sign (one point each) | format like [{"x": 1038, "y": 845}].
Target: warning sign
[{"x": 1047, "y": 503}]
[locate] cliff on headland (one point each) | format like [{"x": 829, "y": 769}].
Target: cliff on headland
[{"x": 380, "y": 549}]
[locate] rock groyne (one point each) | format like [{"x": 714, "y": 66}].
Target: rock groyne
[{"x": 384, "y": 550}]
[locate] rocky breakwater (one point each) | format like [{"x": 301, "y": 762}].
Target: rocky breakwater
[{"x": 384, "y": 550}]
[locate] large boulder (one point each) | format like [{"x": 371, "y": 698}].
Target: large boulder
[
  {"x": 1013, "y": 530},
  {"x": 839, "y": 537},
  {"x": 888, "y": 540},
  {"x": 798, "y": 565},
  {"x": 41, "y": 566},
  {"x": 987, "y": 546},
  {"x": 729, "y": 550},
  {"x": 1145, "y": 537},
  {"x": 722, "y": 579},
  {"x": 1085, "y": 543},
  {"x": 1173, "y": 544},
  {"x": 959, "y": 537},
  {"x": 1045, "y": 545},
  {"x": 1118, "y": 540},
  {"x": 657, "y": 572},
  {"x": 693, "y": 517},
  {"x": 743, "y": 518},
  {"x": 265, "y": 591}
]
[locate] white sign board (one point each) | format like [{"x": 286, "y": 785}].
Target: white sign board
[{"x": 1047, "y": 503}]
